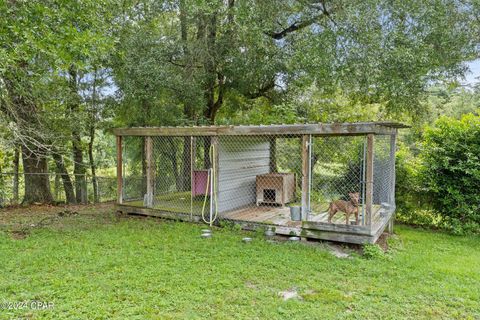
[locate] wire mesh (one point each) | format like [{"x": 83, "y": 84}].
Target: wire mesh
[
  {"x": 12, "y": 187},
  {"x": 134, "y": 170},
  {"x": 384, "y": 175},
  {"x": 259, "y": 178},
  {"x": 259, "y": 175},
  {"x": 338, "y": 172}
]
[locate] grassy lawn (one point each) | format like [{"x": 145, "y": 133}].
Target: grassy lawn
[{"x": 95, "y": 265}]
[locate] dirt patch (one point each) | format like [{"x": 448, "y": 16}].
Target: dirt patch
[
  {"x": 18, "y": 234},
  {"x": 20, "y": 221},
  {"x": 383, "y": 241},
  {"x": 337, "y": 250}
]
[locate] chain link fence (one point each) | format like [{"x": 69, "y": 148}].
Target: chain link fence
[
  {"x": 338, "y": 170},
  {"x": 12, "y": 188},
  {"x": 258, "y": 177}
]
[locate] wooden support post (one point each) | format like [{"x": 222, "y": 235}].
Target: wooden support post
[
  {"x": 193, "y": 149},
  {"x": 305, "y": 175},
  {"x": 215, "y": 164},
  {"x": 369, "y": 180},
  {"x": 390, "y": 225},
  {"x": 393, "y": 147},
  {"x": 150, "y": 171},
  {"x": 119, "y": 171}
]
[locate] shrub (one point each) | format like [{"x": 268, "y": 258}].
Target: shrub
[
  {"x": 373, "y": 251},
  {"x": 412, "y": 200},
  {"x": 450, "y": 171}
]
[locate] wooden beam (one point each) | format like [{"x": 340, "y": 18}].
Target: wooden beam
[
  {"x": 180, "y": 216},
  {"x": 305, "y": 175},
  {"x": 393, "y": 147},
  {"x": 369, "y": 180},
  {"x": 319, "y": 129},
  {"x": 215, "y": 164},
  {"x": 339, "y": 228},
  {"x": 150, "y": 171},
  {"x": 119, "y": 171},
  {"x": 193, "y": 149}
]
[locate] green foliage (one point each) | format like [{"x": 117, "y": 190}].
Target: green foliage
[
  {"x": 287, "y": 61},
  {"x": 411, "y": 200},
  {"x": 373, "y": 251},
  {"x": 451, "y": 171},
  {"x": 438, "y": 187}
]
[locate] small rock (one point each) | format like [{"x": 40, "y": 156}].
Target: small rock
[{"x": 289, "y": 294}]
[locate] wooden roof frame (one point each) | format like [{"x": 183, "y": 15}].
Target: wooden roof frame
[{"x": 320, "y": 129}]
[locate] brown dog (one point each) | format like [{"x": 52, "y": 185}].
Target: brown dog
[{"x": 348, "y": 207}]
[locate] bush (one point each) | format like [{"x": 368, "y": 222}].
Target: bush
[
  {"x": 412, "y": 200},
  {"x": 450, "y": 171},
  {"x": 373, "y": 251}
]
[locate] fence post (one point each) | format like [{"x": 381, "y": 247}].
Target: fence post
[
  {"x": 119, "y": 171},
  {"x": 391, "y": 199},
  {"x": 369, "y": 182},
  {"x": 150, "y": 175},
  {"x": 193, "y": 148},
  {"x": 215, "y": 163},
  {"x": 305, "y": 175}
]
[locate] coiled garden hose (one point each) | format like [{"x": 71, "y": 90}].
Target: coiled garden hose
[{"x": 211, "y": 183}]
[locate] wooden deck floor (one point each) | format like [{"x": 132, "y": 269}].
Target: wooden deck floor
[
  {"x": 281, "y": 216},
  {"x": 317, "y": 226}
]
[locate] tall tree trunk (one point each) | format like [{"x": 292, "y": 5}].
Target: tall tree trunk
[
  {"x": 37, "y": 182},
  {"x": 93, "y": 167},
  {"x": 93, "y": 121},
  {"x": 188, "y": 109},
  {"x": 56, "y": 187},
  {"x": 16, "y": 164},
  {"x": 210, "y": 68},
  {"x": 24, "y": 112},
  {"x": 67, "y": 182},
  {"x": 79, "y": 169}
]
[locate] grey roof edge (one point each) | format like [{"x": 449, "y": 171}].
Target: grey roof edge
[{"x": 344, "y": 128}]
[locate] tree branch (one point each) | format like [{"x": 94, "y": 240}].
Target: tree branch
[
  {"x": 297, "y": 25},
  {"x": 262, "y": 90}
]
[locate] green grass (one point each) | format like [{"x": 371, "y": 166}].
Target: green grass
[{"x": 96, "y": 266}]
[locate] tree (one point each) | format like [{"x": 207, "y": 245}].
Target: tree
[
  {"x": 198, "y": 59},
  {"x": 36, "y": 58}
]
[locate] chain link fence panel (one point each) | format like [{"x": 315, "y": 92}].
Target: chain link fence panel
[
  {"x": 257, "y": 177},
  {"x": 12, "y": 188}
]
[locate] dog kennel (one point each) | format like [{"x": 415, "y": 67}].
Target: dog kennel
[{"x": 254, "y": 175}]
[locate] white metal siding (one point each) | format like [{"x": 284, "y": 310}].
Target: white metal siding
[{"x": 240, "y": 160}]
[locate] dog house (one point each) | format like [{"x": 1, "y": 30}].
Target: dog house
[
  {"x": 255, "y": 175},
  {"x": 275, "y": 188}
]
